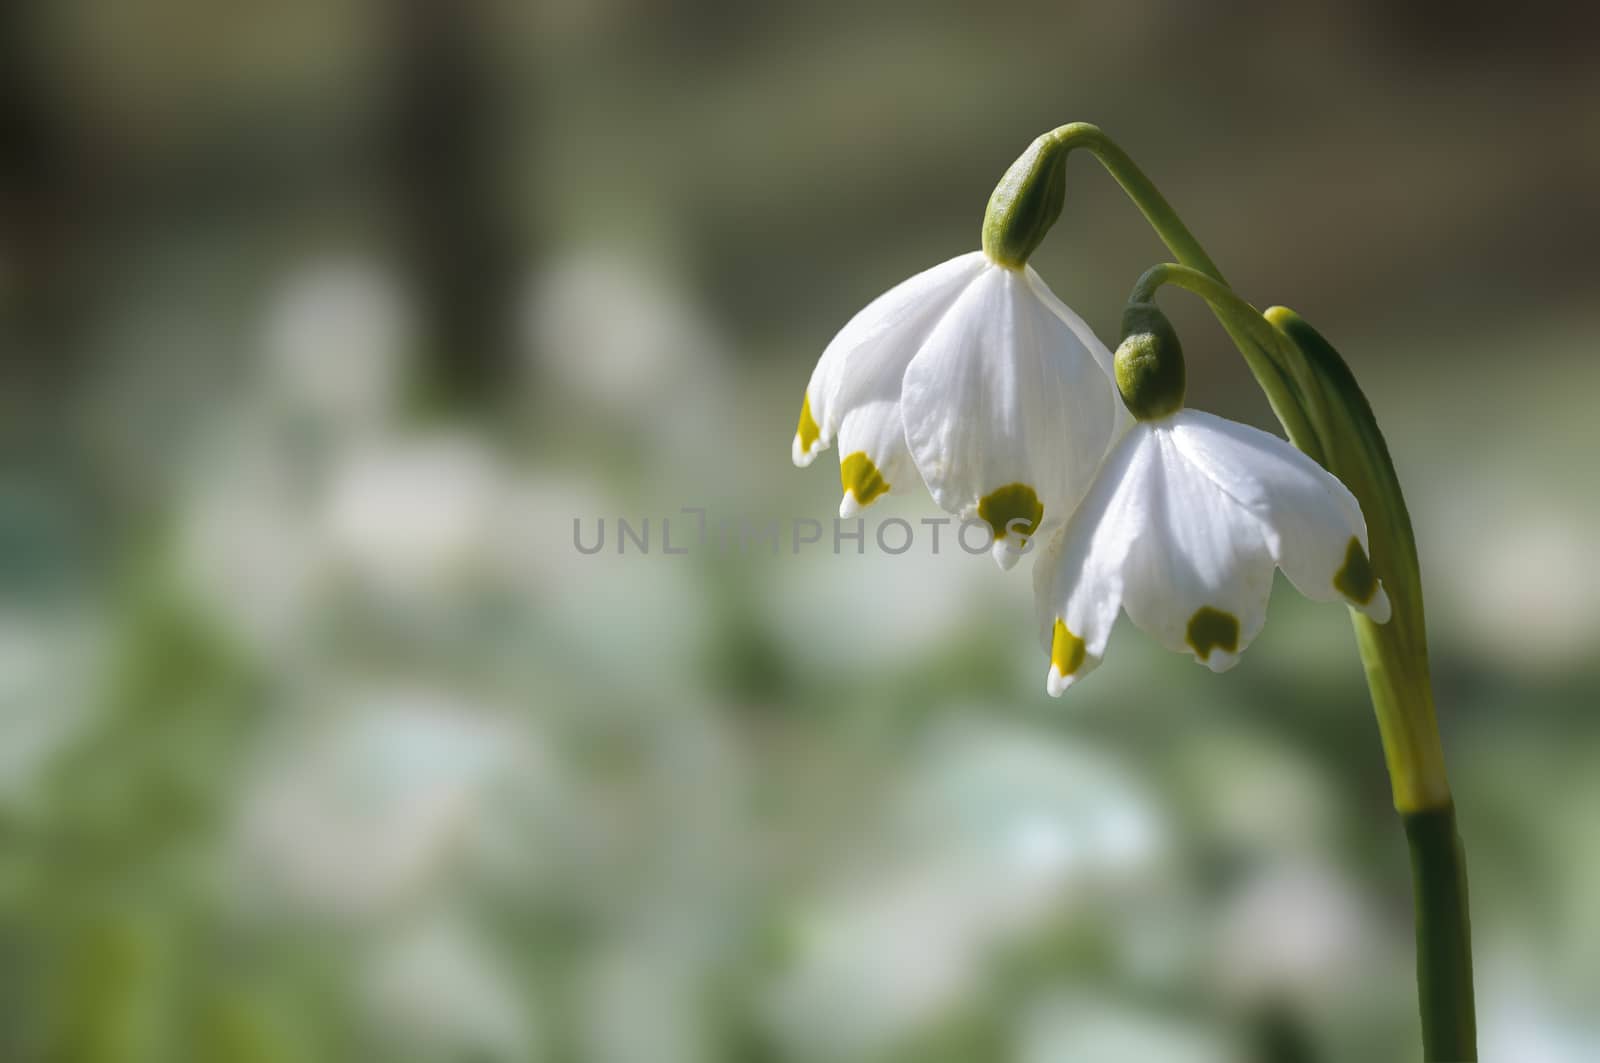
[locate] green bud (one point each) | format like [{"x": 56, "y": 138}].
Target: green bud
[
  {"x": 1149, "y": 363},
  {"x": 1025, "y": 203}
]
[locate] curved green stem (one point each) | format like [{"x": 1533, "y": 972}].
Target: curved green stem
[
  {"x": 1237, "y": 317},
  {"x": 1258, "y": 341},
  {"x": 1151, "y": 203}
]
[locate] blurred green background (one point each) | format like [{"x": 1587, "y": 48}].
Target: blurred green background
[{"x": 322, "y": 320}]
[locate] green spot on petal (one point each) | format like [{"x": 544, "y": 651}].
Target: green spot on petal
[
  {"x": 1356, "y": 580},
  {"x": 1066, "y": 650},
  {"x": 808, "y": 432},
  {"x": 1013, "y": 502},
  {"x": 1212, "y": 629},
  {"x": 859, "y": 476}
]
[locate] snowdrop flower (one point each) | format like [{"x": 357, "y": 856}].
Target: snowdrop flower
[
  {"x": 974, "y": 376},
  {"x": 1185, "y": 522}
]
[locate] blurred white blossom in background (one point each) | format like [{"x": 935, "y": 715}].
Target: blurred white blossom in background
[
  {"x": 1295, "y": 932},
  {"x": 436, "y": 990},
  {"x": 993, "y": 832},
  {"x": 381, "y": 797},
  {"x": 822, "y": 603},
  {"x": 1086, "y": 1025},
  {"x": 1527, "y": 590},
  {"x": 660, "y": 985},
  {"x": 250, "y": 550},
  {"x": 48, "y": 684},
  {"x": 616, "y": 337},
  {"x": 412, "y": 518},
  {"x": 1525, "y": 1017},
  {"x": 337, "y": 345}
]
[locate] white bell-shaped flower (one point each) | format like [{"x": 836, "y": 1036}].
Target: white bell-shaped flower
[
  {"x": 974, "y": 376},
  {"x": 1182, "y": 528}
]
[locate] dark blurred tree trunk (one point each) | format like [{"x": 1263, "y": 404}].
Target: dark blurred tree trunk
[
  {"x": 41, "y": 219},
  {"x": 445, "y": 146}
]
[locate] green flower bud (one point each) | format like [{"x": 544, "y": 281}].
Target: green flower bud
[
  {"x": 1149, "y": 363},
  {"x": 1025, "y": 203}
]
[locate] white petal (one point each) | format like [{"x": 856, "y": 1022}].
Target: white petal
[
  {"x": 873, "y": 458},
  {"x": 1086, "y": 336},
  {"x": 1007, "y": 550},
  {"x": 1309, "y": 519},
  {"x": 1198, "y": 579},
  {"x": 1077, "y": 581},
  {"x": 801, "y": 451},
  {"x": 866, "y": 360},
  {"x": 1005, "y": 393}
]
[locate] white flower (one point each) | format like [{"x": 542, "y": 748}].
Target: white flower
[
  {"x": 975, "y": 376},
  {"x": 336, "y": 344},
  {"x": 1182, "y": 528}
]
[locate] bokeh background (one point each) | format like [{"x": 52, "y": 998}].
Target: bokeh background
[{"x": 322, "y": 320}]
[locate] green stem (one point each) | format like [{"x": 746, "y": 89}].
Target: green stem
[
  {"x": 1197, "y": 268},
  {"x": 1151, "y": 203},
  {"x": 1257, "y": 340},
  {"x": 1444, "y": 935},
  {"x": 1325, "y": 414}
]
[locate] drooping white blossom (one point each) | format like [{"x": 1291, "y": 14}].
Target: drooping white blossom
[
  {"x": 974, "y": 377},
  {"x": 1182, "y": 528}
]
